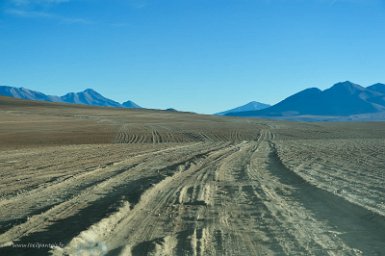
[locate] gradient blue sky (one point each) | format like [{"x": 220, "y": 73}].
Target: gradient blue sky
[{"x": 199, "y": 55}]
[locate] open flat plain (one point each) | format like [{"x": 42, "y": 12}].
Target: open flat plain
[{"x": 103, "y": 181}]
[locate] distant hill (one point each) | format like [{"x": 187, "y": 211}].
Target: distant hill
[
  {"x": 87, "y": 97},
  {"x": 251, "y": 106},
  {"x": 171, "y": 110},
  {"x": 130, "y": 104},
  {"x": 342, "y": 99}
]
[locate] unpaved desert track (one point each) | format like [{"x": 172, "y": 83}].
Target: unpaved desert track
[
  {"x": 239, "y": 200},
  {"x": 169, "y": 185},
  {"x": 192, "y": 199}
]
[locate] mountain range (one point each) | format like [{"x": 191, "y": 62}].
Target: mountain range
[
  {"x": 86, "y": 97},
  {"x": 342, "y": 100}
]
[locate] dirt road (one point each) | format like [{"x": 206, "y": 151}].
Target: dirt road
[{"x": 194, "y": 199}]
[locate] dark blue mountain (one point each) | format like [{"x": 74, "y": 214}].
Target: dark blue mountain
[{"x": 342, "y": 99}]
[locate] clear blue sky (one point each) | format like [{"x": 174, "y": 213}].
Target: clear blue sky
[{"x": 199, "y": 55}]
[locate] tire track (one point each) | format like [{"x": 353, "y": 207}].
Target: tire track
[
  {"x": 359, "y": 228},
  {"x": 59, "y": 190},
  {"x": 159, "y": 199},
  {"x": 90, "y": 199}
]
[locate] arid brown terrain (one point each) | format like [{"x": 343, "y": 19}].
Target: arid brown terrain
[{"x": 105, "y": 181}]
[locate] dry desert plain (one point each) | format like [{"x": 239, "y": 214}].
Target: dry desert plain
[{"x": 103, "y": 181}]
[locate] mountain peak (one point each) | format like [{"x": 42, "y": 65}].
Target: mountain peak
[
  {"x": 253, "y": 102},
  {"x": 91, "y": 91},
  {"x": 310, "y": 90},
  {"x": 377, "y": 88},
  {"x": 377, "y": 84},
  {"x": 251, "y": 106},
  {"x": 130, "y": 104},
  {"x": 86, "y": 91},
  {"x": 347, "y": 85},
  {"x": 89, "y": 97}
]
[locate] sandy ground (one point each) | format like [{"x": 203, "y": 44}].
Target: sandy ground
[{"x": 95, "y": 181}]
